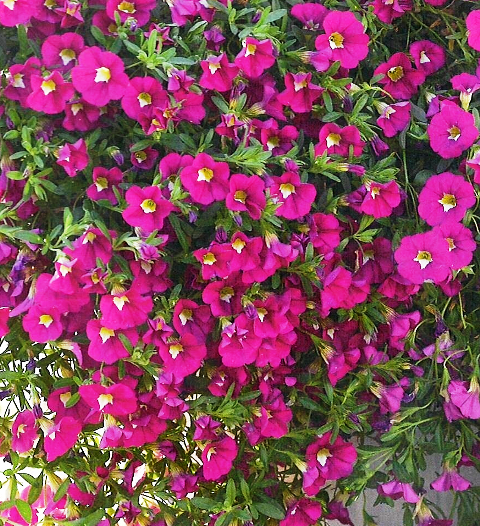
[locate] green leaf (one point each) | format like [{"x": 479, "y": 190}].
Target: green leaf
[
  {"x": 72, "y": 400},
  {"x": 204, "y": 503},
  {"x": 24, "y": 509},
  {"x": 62, "y": 489},
  {"x": 270, "y": 509},
  {"x": 231, "y": 494}
]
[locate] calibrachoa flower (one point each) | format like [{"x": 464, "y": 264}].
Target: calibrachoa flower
[
  {"x": 246, "y": 195},
  {"x": 445, "y": 197},
  {"x": 336, "y": 140},
  {"x": 451, "y": 131},
  {"x": 73, "y": 157},
  {"x": 300, "y": 93},
  {"x": 50, "y": 93},
  {"x": 394, "y": 118},
  {"x": 345, "y": 36},
  {"x": 460, "y": 242},
  {"x": 473, "y": 24},
  {"x": 380, "y": 199},
  {"x": 103, "y": 183},
  {"x": 99, "y": 76},
  {"x": 218, "y": 457},
  {"x": 428, "y": 57},
  {"x": 138, "y": 10},
  {"x": 423, "y": 257},
  {"x": 62, "y": 51},
  {"x": 400, "y": 79},
  {"x": 147, "y": 208},
  {"x": 295, "y": 197},
  {"x": 218, "y": 73},
  {"x": 255, "y": 57},
  {"x": 303, "y": 512}
]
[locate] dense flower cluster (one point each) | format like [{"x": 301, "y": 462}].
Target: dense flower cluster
[{"x": 237, "y": 244}]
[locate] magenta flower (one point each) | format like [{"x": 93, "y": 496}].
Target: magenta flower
[
  {"x": 300, "y": 93},
  {"x": 450, "y": 479},
  {"x": 147, "y": 208},
  {"x": 43, "y": 323},
  {"x": 336, "y": 140},
  {"x": 451, "y": 131},
  {"x": 116, "y": 400},
  {"x": 345, "y": 36},
  {"x": 206, "y": 179},
  {"x": 182, "y": 356},
  {"x": 388, "y": 10},
  {"x": 460, "y": 242},
  {"x": 296, "y": 198},
  {"x": 394, "y": 118},
  {"x": 105, "y": 345},
  {"x": 423, "y": 257},
  {"x": 247, "y": 194},
  {"x": 255, "y": 57},
  {"x": 218, "y": 457},
  {"x": 224, "y": 297},
  {"x": 428, "y": 57},
  {"x": 380, "y": 199},
  {"x": 239, "y": 344},
  {"x": 14, "y": 12},
  {"x": 214, "y": 260},
  {"x": 326, "y": 461},
  {"x": 139, "y": 10},
  {"x": 398, "y": 490},
  {"x": 311, "y": 15},
  {"x": 466, "y": 400},
  {"x": 73, "y": 157},
  {"x": 275, "y": 140},
  {"x": 103, "y": 182},
  {"x": 400, "y": 79},
  {"x": 61, "y": 437},
  {"x": 473, "y": 29},
  {"x": 142, "y": 95},
  {"x": 24, "y": 432},
  {"x": 445, "y": 197},
  {"x": 303, "y": 512},
  {"x": 467, "y": 85},
  {"x": 99, "y": 76},
  {"x": 218, "y": 73},
  {"x": 61, "y": 51},
  {"x": 80, "y": 115},
  {"x": 125, "y": 309}
]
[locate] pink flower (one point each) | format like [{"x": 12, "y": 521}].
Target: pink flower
[
  {"x": 43, "y": 323},
  {"x": 99, "y": 76},
  {"x": 296, "y": 198},
  {"x": 336, "y": 140},
  {"x": 105, "y": 345},
  {"x": 81, "y": 116},
  {"x": 445, "y": 197},
  {"x": 61, "y": 437},
  {"x": 345, "y": 36},
  {"x": 310, "y": 14},
  {"x": 24, "y": 432},
  {"x": 460, "y": 242},
  {"x": 125, "y": 309},
  {"x": 300, "y": 93},
  {"x": 214, "y": 260},
  {"x": 218, "y": 73},
  {"x": 206, "y": 179},
  {"x": 327, "y": 461},
  {"x": 224, "y": 297},
  {"x": 473, "y": 29},
  {"x": 450, "y": 479},
  {"x": 147, "y": 208},
  {"x": 182, "y": 356},
  {"x": 247, "y": 194},
  {"x": 451, "y": 131},
  {"x": 423, "y": 257},
  {"x": 400, "y": 79},
  {"x": 394, "y": 118},
  {"x": 142, "y": 95},
  {"x": 218, "y": 457},
  {"x": 255, "y": 57},
  {"x": 139, "y": 10},
  {"x": 428, "y": 57},
  {"x": 61, "y": 51},
  {"x": 303, "y": 512},
  {"x": 15, "y": 12},
  {"x": 73, "y": 157},
  {"x": 275, "y": 140},
  {"x": 388, "y": 10},
  {"x": 380, "y": 199},
  {"x": 466, "y": 400},
  {"x": 398, "y": 490},
  {"x": 103, "y": 183},
  {"x": 116, "y": 400}
]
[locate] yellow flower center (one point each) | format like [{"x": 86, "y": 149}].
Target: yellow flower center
[
  {"x": 120, "y": 301},
  {"x": 175, "y": 350},
  {"x": 424, "y": 58},
  {"x": 423, "y": 258},
  {"x": 287, "y": 189},
  {"x": 9, "y": 4},
  {"x": 101, "y": 183},
  {"x": 106, "y": 334},
  {"x": 336, "y": 40},
  {"x": 205, "y": 174},
  {"x": 140, "y": 156},
  {"x": 262, "y": 313},
  {"x": 103, "y": 74},
  {"x": 104, "y": 399},
  {"x": 300, "y": 85},
  {"x": 46, "y": 320},
  {"x": 67, "y": 55},
  {"x": 185, "y": 315},
  {"x": 238, "y": 245},
  {"x": 333, "y": 139},
  {"x": 395, "y": 73},
  {"x": 226, "y": 294},
  {"x": 126, "y": 7},
  {"x": 18, "y": 81},
  {"x": 451, "y": 244},
  {"x": 448, "y": 201},
  {"x": 454, "y": 133},
  {"x": 50, "y": 4},
  {"x": 89, "y": 238},
  {"x": 148, "y": 206},
  {"x": 374, "y": 191},
  {"x": 240, "y": 196},
  {"x": 64, "y": 270},
  {"x": 48, "y": 86},
  {"x": 76, "y": 108},
  {"x": 273, "y": 142},
  {"x": 209, "y": 258},
  {"x": 322, "y": 456},
  {"x": 213, "y": 67},
  {"x": 250, "y": 50},
  {"x": 144, "y": 99}
]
